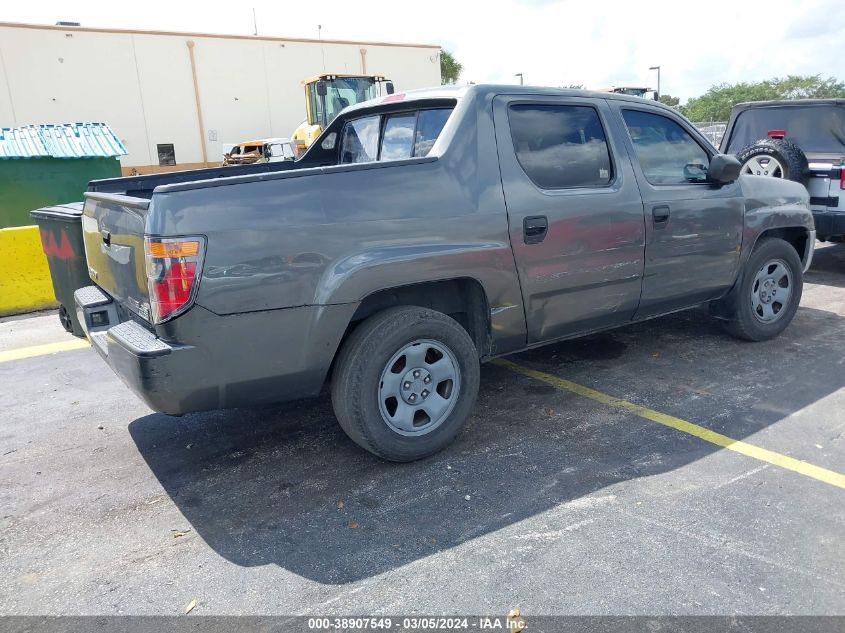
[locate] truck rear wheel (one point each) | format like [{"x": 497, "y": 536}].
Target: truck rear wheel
[
  {"x": 769, "y": 293},
  {"x": 405, "y": 383}
]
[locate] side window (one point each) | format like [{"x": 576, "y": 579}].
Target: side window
[
  {"x": 360, "y": 140},
  {"x": 667, "y": 154},
  {"x": 398, "y": 139},
  {"x": 560, "y": 146},
  {"x": 429, "y": 126}
]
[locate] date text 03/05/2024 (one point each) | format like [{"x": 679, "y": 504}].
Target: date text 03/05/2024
[{"x": 513, "y": 621}]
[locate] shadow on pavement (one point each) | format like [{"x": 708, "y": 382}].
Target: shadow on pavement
[
  {"x": 261, "y": 486},
  {"x": 828, "y": 267}
]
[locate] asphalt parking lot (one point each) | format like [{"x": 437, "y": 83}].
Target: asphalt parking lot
[{"x": 550, "y": 501}]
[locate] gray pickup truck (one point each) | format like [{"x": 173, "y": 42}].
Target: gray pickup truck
[{"x": 421, "y": 234}]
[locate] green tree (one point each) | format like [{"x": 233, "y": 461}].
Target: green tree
[
  {"x": 716, "y": 103},
  {"x": 669, "y": 100},
  {"x": 450, "y": 68}
]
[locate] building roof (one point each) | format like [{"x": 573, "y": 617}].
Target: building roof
[
  {"x": 66, "y": 140},
  {"x": 304, "y": 40}
]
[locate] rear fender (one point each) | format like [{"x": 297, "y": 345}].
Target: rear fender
[{"x": 356, "y": 276}]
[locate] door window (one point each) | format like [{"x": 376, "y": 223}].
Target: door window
[
  {"x": 560, "y": 146},
  {"x": 667, "y": 154}
]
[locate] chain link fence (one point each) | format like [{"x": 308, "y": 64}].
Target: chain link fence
[{"x": 713, "y": 130}]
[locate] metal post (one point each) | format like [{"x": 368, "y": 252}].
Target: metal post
[
  {"x": 657, "y": 68},
  {"x": 200, "y": 122},
  {"x": 520, "y": 78}
]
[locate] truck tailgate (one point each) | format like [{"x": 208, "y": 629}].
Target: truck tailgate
[{"x": 113, "y": 228}]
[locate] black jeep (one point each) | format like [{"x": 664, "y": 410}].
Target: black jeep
[{"x": 801, "y": 140}]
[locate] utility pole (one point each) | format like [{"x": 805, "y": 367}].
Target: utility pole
[
  {"x": 254, "y": 22},
  {"x": 657, "y": 68},
  {"x": 520, "y": 78}
]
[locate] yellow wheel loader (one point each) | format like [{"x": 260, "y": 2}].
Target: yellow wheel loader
[{"x": 327, "y": 95}]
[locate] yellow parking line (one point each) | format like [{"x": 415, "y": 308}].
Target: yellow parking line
[
  {"x": 770, "y": 457},
  {"x": 41, "y": 350}
]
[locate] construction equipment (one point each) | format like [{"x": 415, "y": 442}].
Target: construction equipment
[
  {"x": 635, "y": 91},
  {"x": 327, "y": 95}
]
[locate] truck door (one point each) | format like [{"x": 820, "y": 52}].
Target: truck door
[
  {"x": 693, "y": 228},
  {"x": 574, "y": 212}
]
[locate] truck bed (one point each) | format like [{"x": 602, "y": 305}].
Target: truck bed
[{"x": 143, "y": 186}]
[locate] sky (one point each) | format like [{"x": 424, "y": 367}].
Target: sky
[{"x": 596, "y": 43}]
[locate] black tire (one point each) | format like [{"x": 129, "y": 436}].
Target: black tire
[
  {"x": 65, "y": 320},
  {"x": 742, "y": 321},
  {"x": 357, "y": 381},
  {"x": 789, "y": 155}
]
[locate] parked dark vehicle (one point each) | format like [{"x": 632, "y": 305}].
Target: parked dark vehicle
[
  {"x": 801, "y": 140},
  {"x": 423, "y": 233}
]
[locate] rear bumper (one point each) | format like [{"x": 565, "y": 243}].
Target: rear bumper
[
  {"x": 829, "y": 223},
  {"x": 158, "y": 372},
  {"x": 219, "y": 362}
]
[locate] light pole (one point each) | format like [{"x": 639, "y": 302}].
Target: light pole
[
  {"x": 520, "y": 78},
  {"x": 657, "y": 68}
]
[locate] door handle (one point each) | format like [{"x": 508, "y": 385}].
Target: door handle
[
  {"x": 660, "y": 215},
  {"x": 534, "y": 229}
]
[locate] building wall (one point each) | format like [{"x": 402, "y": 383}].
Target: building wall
[{"x": 141, "y": 84}]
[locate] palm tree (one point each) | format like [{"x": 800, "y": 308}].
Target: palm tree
[{"x": 450, "y": 68}]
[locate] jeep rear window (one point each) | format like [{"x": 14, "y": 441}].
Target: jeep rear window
[
  {"x": 392, "y": 136},
  {"x": 817, "y": 129}
]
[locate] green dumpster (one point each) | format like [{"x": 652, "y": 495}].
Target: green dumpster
[{"x": 61, "y": 238}]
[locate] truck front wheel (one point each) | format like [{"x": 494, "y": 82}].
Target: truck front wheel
[
  {"x": 405, "y": 383},
  {"x": 769, "y": 293}
]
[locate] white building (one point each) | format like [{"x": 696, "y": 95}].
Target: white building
[{"x": 198, "y": 92}]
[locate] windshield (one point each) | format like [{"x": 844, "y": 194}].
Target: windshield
[
  {"x": 342, "y": 92},
  {"x": 818, "y": 129}
]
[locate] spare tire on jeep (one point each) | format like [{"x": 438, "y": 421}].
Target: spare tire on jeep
[{"x": 774, "y": 157}]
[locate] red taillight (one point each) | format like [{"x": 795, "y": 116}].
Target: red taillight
[
  {"x": 842, "y": 178},
  {"x": 173, "y": 266},
  {"x": 777, "y": 133}
]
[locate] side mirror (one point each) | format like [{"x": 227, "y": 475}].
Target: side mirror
[
  {"x": 321, "y": 88},
  {"x": 723, "y": 169},
  {"x": 389, "y": 87}
]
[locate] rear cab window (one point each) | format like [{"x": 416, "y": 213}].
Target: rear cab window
[
  {"x": 561, "y": 146},
  {"x": 392, "y": 136},
  {"x": 360, "y": 140}
]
